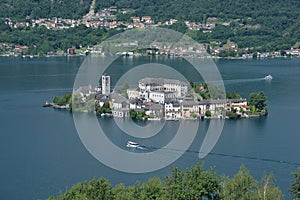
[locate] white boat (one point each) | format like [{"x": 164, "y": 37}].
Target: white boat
[
  {"x": 269, "y": 77},
  {"x": 132, "y": 144}
]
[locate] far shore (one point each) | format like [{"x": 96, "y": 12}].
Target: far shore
[{"x": 138, "y": 55}]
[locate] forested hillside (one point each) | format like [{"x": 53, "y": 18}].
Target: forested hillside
[
  {"x": 228, "y": 28},
  {"x": 20, "y": 9},
  {"x": 274, "y": 20}
]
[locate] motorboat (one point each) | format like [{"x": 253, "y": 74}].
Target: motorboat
[
  {"x": 268, "y": 77},
  {"x": 132, "y": 144}
]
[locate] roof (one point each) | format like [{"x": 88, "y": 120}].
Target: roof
[
  {"x": 189, "y": 103},
  {"x": 161, "y": 81},
  {"x": 175, "y": 103},
  {"x": 102, "y": 97},
  {"x": 117, "y": 98},
  {"x": 236, "y": 100},
  {"x": 156, "y": 107},
  {"x": 213, "y": 101},
  {"x": 84, "y": 89}
]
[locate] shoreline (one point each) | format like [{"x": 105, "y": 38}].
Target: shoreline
[
  {"x": 66, "y": 107},
  {"x": 138, "y": 55}
]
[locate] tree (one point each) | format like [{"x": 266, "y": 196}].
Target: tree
[
  {"x": 268, "y": 190},
  {"x": 121, "y": 192},
  {"x": 259, "y": 100},
  {"x": 174, "y": 184},
  {"x": 233, "y": 95},
  {"x": 208, "y": 113},
  {"x": 124, "y": 89},
  {"x": 199, "y": 184},
  {"x": 295, "y": 187},
  {"x": 242, "y": 186},
  {"x": 153, "y": 189},
  {"x": 94, "y": 189},
  {"x": 192, "y": 84}
]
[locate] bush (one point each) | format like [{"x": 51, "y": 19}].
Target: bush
[{"x": 208, "y": 113}]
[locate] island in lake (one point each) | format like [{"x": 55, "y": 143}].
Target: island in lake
[{"x": 160, "y": 98}]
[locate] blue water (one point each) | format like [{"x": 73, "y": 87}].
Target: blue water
[{"x": 41, "y": 153}]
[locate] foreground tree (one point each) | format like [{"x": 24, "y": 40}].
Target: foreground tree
[
  {"x": 242, "y": 186},
  {"x": 194, "y": 183},
  {"x": 191, "y": 184},
  {"x": 268, "y": 190},
  {"x": 295, "y": 189}
]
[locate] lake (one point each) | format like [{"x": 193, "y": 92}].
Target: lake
[{"x": 41, "y": 153}]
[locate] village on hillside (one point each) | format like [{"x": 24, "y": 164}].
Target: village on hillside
[
  {"x": 155, "y": 99},
  {"x": 107, "y": 19}
]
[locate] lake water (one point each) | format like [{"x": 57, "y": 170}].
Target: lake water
[{"x": 41, "y": 153}]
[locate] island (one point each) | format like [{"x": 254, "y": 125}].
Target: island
[{"x": 162, "y": 99}]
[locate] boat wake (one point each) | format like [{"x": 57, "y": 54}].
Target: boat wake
[
  {"x": 237, "y": 81},
  {"x": 235, "y": 156},
  {"x": 142, "y": 148}
]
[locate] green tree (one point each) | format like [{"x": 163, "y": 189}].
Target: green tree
[
  {"x": 242, "y": 186},
  {"x": 121, "y": 192},
  {"x": 123, "y": 91},
  {"x": 199, "y": 184},
  {"x": 174, "y": 184},
  {"x": 94, "y": 189},
  {"x": 259, "y": 100},
  {"x": 208, "y": 113},
  {"x": 153, "y": 189},
  {"x": 268, "y": 190},
  {"x": 233, "y": 95},
  {"x": 295, "y": 187}
]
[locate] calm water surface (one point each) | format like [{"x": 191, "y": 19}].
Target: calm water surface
[{"x": 41, "y": 153}]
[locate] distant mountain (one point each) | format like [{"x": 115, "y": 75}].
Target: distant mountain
[{"x": 20, "y": 9}]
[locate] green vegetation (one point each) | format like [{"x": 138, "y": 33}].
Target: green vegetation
[
  {"x": 258, "y": 103},
  {"x": 123, "y": 90},
  {"x": 193, "y": 183},
  {"x": 104, "y": 109},
  {"x": 139, "y": 115},
  {"x": 263, "y": 24},
  {"x": 295, "y": 187},
  {"x": 233, "y": 95},
  {"x": 244, "y": 186},
  {"x": 40, "y": 40},
  {"x": 66, "y": 99},
  {"x": 86, "y": 105},
  {"x": 255, "y": 26},
  {"x": 20, "y": 9},
  {"x": 232, "y": 114},
  {"x": 208, "y": 113},
  {"x": 208, "y": 91}
]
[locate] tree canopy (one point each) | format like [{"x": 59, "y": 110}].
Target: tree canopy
[
  {"x": 192, "y": 183},
  {"x": 259, "y": 100},
  {"x": 295, "y": 187},
  {"x": 20, "y": 9}
]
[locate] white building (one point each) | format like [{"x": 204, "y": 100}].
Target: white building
[
  {"x": 160, "y": 97},
  {"x": 106, "y": 84},
  {"x": 148, "y": 85},
  {"x": 212, "y": 105},
  {"x": 133, "y": 93},
  {"x": 172, "y": 110}
]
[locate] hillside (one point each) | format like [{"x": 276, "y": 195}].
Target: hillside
[
  {"x": 256, "y": 21},
  {"x": 20, "y": 9},
  {"x": 228, "y": 28}
]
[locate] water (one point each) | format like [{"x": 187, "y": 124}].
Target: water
[{"x": 41, "y": 153}]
